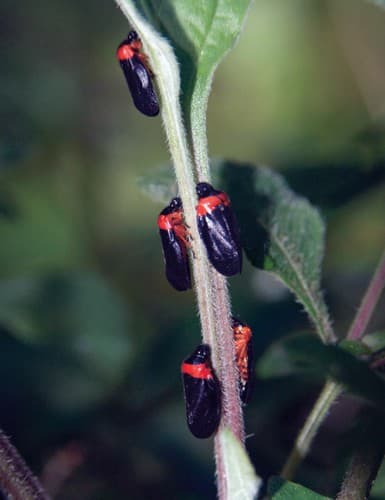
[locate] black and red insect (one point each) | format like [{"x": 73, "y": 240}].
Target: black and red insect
[
  {"x": 174, "y": 237},
  {"x": 218, "y": 229},
  {"x": 243, "y": 339},
  {"x": 138, "y": 74},
  {"x": 202, "y": 393}
]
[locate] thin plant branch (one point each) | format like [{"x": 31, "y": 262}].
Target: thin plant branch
[
  {"x": 16, "y": 480},
  {"x": 369, "y": 302},
  {"x": 366, "y": 460},
  {"x": 319, "y": 412}
]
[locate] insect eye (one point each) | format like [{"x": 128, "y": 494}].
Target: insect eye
[{"x": 203, "y": 189}]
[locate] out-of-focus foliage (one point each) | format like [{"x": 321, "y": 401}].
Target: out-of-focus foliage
[
  {"x": 307, "y": 355},
  {"x": 279, "y": 489},
  {"x": 91, "y": 334},
  {"x": 286, "y": 490}
]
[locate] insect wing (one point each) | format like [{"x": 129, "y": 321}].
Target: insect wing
[
  {"x": 219, "y": 232},
  {"x": 202, "y": 393},
  {"x": 140, "y": 85},
  {"x": 246, "y": 385},
  {"x": 202, "y": 398},
  {"x": 175, "y": 260},
  {"x": 243, "y": 339}
]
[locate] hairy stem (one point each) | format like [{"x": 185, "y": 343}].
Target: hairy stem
[
  {"x": 222, "y": 343},
  {"x": 16, "y": 480},
  {"x": 198, "y": 129},
  {"x": 319, "y": 412},
  {"x": 361, "y": 473},
  {"x": 366, "y": 460},
  {"x": 210, "y": 287},
  {"x": 369, "y": 302},
  {"x": 232, "y": 409}
]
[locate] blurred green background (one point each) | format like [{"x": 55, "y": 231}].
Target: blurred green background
[{"x": 91, "y": 334}]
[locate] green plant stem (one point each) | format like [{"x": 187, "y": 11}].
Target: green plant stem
[
  {"x": 16, "y": 480},
  {"x": 198, "y": 129},
  {"x": 369, "y": 302},
  {"x": 332, "y": 390},
  {"x": 222, "y": 343},
  {"x": 319, "y": 412}
]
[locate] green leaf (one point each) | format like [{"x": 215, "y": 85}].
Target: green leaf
[
  {"x": 305, "y": 354},
  {"x": 375, "y": 340},
  {"x": 201, "y": 32},
  {"x": 355, "y": 347},
  {"x": 242, "y": 481},
  {"x": 205, "y": 30},
  {"x": 279, "y": 489},
  {"x": 281, "y": 233}
]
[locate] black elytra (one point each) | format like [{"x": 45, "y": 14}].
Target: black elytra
[
  {"x": 173, "y": 235},
  {"x": 202, "y": 393},
  {"x": 218, "y": 229},
  {"x": 138, "y": 76}
]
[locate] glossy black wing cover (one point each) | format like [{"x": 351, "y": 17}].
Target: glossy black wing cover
[
  {"x": 220, "y": 234},
  {"x": 175, "y": 260},
  {"x": 203, "y": 405},
  {"x": 140, "y": 85}
]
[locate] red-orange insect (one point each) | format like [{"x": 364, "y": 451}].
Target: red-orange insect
[{"x": 243, "y": 338}]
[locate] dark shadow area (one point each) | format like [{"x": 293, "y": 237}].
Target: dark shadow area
[
  {"x": 239, "y": 182},
  {"x": 331, "y": 186}
]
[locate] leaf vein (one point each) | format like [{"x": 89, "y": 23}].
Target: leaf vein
[{"x": 322, "y": 323}]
